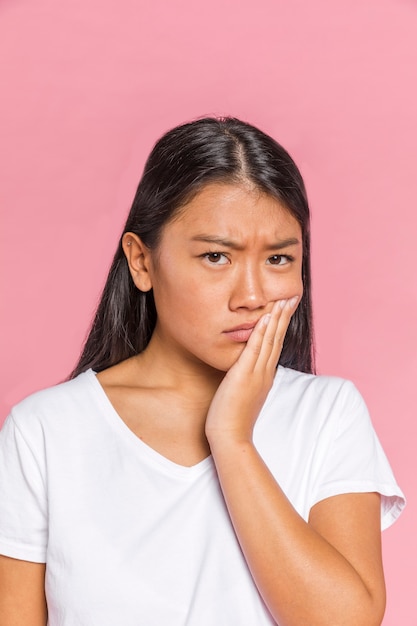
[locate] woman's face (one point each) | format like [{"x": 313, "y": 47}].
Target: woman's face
[{"x": 222, "y": 262}]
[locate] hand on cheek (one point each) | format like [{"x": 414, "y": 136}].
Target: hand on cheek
[{"x": 242, "y": 393}]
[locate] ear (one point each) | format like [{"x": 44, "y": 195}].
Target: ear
[{"x": 138, "y": 258}]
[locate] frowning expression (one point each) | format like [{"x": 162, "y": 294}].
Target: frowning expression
[{"x": 222, "y": 262}]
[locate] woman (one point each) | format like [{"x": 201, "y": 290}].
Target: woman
[{"x": 180, "y": 478}]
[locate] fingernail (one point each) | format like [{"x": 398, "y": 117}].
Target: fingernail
[
  {"x": 266, "y": 319},
  {"x": 282, "y": 303},
  {"x": 293, "y": 301}
]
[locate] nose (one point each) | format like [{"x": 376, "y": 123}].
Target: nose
[{"x": 248, "y": 289}]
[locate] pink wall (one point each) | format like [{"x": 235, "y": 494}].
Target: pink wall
[{"x": 88, "y": 85}]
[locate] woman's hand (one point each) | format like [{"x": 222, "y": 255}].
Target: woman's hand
[
  {"x": 240, "y": 396},
  {"x": 327, "y": 572}
]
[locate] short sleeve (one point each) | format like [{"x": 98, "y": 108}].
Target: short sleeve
[
  {"x": 356, "y": 462},
  {"x": 23, "y": 503}
]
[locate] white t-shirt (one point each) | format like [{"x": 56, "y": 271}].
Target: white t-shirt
[{"x": 133, "y": 539}]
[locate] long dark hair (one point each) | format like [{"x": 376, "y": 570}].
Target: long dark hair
[{"x": 181, "y": 163}]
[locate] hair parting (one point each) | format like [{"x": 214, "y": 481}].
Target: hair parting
[{"x": 184, "y": 160}]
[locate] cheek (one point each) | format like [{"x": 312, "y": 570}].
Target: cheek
[
  {"x": 178, "y": 296},
  {"x": 286, "y": 288},
  {"x": 298, "y": 286}
]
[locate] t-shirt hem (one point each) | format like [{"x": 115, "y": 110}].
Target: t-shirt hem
[
  {"x": 392, "y": 498},
  {"x": 23, "y": 553}
]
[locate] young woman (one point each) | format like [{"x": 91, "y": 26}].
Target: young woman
[{"x": 179, "y": 477}]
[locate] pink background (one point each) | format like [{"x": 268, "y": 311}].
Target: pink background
[{"x": 88, "y": 86}]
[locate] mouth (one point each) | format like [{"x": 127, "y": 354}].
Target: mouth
[{"x": 240, "y": 333}]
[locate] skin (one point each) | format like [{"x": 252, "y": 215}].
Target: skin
[
  {"x": 22, "y": 595},
  {"x": 231, "y": 258}
]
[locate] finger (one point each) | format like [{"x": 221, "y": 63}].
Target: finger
[
  {"x": 253, "y": 348},
  {"x": 262, "y": 340},
  {"x": 265, "y": 343},
  {"x": 283, "y": 321},
  {"x": 271, "y": 338}
]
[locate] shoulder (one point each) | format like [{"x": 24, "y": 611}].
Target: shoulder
[
  {"x": 54, "y": 403},
  {"x": 314, "y": 405},
  {"x": 302, "y": 387}
]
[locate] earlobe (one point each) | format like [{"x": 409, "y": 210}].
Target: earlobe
[{"x": 138, "y": 259}]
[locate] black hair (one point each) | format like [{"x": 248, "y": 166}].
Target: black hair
[{"x": 181, "y": 163}]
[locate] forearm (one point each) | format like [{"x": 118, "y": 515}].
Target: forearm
[{"x": 301, "y": 576}]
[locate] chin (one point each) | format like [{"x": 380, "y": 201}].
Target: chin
[{"x": 226, "y": 361}]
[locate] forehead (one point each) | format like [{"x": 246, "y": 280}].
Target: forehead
[{"x": 237, "y": 209}]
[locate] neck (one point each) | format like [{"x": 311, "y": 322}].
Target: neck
[{"x": 193, "y": 380}]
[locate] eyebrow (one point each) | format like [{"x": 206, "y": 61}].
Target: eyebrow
[{"x": 228, "y": 243}]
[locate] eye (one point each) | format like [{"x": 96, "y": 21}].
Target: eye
[
  {"x": 279, "y": 259},
  {"x": 216, "y": 258}
]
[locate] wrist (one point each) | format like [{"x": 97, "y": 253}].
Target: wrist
[{"x": 229, "y": 442}]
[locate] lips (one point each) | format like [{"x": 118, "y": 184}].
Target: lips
[{"x": 240, "y": 333}]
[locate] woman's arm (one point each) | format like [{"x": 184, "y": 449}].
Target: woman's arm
[
  {"x": 22, "y": 593},
  {"x": 327, "y": 572}
]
